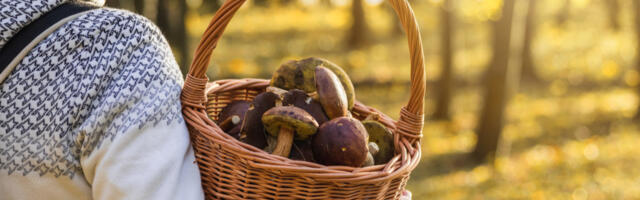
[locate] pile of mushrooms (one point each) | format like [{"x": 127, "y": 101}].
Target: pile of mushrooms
[{"x": 305, "y": 114}]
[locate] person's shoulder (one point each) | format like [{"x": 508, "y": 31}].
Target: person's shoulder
[
  {"x": 123, "y": 24},
  {"x": 126, "y": 49}
]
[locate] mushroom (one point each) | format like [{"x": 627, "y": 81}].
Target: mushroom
[
  {"x": 368, "y": 161},
  {"x": 285, "y": 122},
  {"x": 341, "y": 141},
  {"x": 300, "y": 99},
  {"x": 383, "y": 138},
  {"x": 330, "y": 93},
  {"x": 276, "y": 90},
  {"x": 231, "y": 116},
  {"x": 252, "y": 131},
  {"x": 301, "y": 150},
  {"x": 300, "y": 74},
  {"x": 373, "y": 147}
]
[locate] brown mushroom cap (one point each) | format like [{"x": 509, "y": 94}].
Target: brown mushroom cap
[
  {"x": 289, "y": 116},
  {"x": 331, "y": 94},
  {"x": 300, "y": 99},
  {"x": 234, "y": 111},
  {"x": 300, "y": 74},
  {"x": 341, "y": 141},
  {"x": 252, "y": 131},
  {"x": 383, "y": 138}
]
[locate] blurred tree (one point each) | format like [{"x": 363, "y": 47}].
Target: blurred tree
[
  {"x": 445, "y": 84},
  {"x": 162, "y": 17},
  {"x": 286, "y": 2},
  {"x": 139, "y": 6},
  {"x": 563, "y": 15},
  {"x": 326, "y": 3},
  {"x": 181, "y": 38},
  {"x": 112, "y": 3},
  {"x": 396, "y": 29},
  {"x": 358, "y": 35},
  {"x": 528, "y": 72},
  {"x": 491, "y": 118},
  {"x": 170, "y": 18},
  {"x": 613, "y": 8},
  {"x": 262, "y": 3},
  {"x": 208, "y": 6},
  {"x": 636, "y": 9}
]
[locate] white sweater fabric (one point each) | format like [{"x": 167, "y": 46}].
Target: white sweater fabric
[{"x": 93, "y": 111}]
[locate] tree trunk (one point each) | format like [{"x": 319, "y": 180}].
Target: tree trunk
[
  {"x": 396, "y": 25},
  {"x": 112, "y": 3},
  {"x": 491, "y": 117},
  {"x": 563, "y": 15},
  {"x": 162, "y": 17},
  {"x": 636, "y": 13},
  {"x": 174, "y": 29},
  {"x": 139, "y": 6},
  {"x": 528, "y": 72},
  {"x": 358, "y": 35},
  {"x": 613, "y": 8},
  {"x": 446, "y": 78},
  {"x": 181, "y": 39}
]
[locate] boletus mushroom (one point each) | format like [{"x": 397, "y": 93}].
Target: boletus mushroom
[
  {"x": 253, "y": 131},
  {"x": 300, "y": 99},
  {"x": 287, "y": 122},
  {"x": 330, "y": 93},
  {"x": 383, "y": 138},
  {"x": 341, "y": 141},
  {"x": 300, "y": 74},
  {"x": 231, "y": 116},
  {"x": 368, "y": 161},
  {"x": 373, "y": 147}
]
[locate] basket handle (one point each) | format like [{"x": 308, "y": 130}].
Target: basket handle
[{"x": 411, "y": 115}]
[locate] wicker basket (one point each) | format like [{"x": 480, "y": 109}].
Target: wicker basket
[{"x": 231, "y": 169}]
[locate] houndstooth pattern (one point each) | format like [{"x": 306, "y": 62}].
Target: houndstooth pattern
[
  {"x": 15, "y": 14},
  {"x": 97, "y": 77}
]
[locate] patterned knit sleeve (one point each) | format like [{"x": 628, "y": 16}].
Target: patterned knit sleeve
[{"x": 134, "y": 142}]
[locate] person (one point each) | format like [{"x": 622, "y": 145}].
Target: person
[{"x": 92, "y": 111}]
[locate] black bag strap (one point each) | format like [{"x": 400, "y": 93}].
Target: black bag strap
[{"x": 30, "y": 32}]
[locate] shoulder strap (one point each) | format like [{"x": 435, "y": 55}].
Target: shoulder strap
[{"x": 32, "y": 34}]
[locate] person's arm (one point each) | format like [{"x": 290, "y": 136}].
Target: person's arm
[{"x": 135, "y": 144}]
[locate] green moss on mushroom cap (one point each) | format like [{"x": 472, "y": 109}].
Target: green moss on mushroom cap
[
  {"x": 300, "y": 74},
  {"x": 382, "y": 136},
  {"x": 303, "y": 124},
  {"x": 288, "y": 122}
]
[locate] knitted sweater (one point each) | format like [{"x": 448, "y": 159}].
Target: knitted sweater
[{"x": 93, "y": 111}]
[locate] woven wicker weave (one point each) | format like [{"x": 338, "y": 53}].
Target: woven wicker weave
[{"x": 231, "y": 169}]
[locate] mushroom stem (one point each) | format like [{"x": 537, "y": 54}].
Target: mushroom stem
[
  {"x": 276, "y": 90},
  {"x": 285, "y": 139},
  {"x": 372, "y": 116},
  {"x": 314, "y": 95},
  {"x": 226, "y": 124}
]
